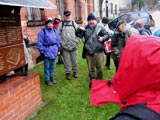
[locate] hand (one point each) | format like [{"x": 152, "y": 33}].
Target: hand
[
  {"x": 59, "y": 53},
  {"x": 42, "y": 54},
  {"x": 100, "y": 39}
]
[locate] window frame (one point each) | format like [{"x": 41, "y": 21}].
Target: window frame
[{"x": 34, "y": 21}]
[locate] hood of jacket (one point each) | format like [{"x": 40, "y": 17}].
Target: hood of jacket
[{"x": 137, "y": 79}]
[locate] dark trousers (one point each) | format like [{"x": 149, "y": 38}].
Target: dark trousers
[
  {"x": 95, "y": 65},
  {"x": 116, "y": 63},
  {"x": 108, "y": 57}
]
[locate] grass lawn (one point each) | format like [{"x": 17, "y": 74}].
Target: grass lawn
[{"x": 69, "y": 100}]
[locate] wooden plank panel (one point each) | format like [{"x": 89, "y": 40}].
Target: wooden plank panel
[{"x": 11, "y": 58}]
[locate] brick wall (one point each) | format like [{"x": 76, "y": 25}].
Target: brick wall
[
  {"x": 19, "y": 96},
  {"x": 32, "y": 32}
]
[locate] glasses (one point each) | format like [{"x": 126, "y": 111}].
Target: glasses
[{"x": 67, "y": 15}]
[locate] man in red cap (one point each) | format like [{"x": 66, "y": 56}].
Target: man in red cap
[{"x": 136, "y": 85}]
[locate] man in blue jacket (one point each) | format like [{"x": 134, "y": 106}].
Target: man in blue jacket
[{"x": 48, "y": 45}]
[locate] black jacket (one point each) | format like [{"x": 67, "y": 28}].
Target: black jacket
[{"x": 92, "y": 45}]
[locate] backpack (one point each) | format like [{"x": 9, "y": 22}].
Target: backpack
[
  {"x": 137, "y": 112},
  {"x": 68, "y": 25}
]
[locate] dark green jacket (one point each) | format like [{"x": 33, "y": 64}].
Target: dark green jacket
[
  {"x": 92, "y": 45},
  {"x": 121, "y": 42}
]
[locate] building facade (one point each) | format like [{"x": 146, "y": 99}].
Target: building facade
[
  {"x": 32, "y": 20},
  {"x": 106, "y": 8},
  {"x": 110, "y": 8}
]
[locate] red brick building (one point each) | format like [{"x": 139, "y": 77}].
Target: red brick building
[{"x": 32, "y": 20}]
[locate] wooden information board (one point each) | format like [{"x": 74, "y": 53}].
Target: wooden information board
[
  {"x": 10, "y": 36},
  {"x": 11, "y": 43},
  {"x": 11, "y": 58},
  {"x": 10, "y": 20}
]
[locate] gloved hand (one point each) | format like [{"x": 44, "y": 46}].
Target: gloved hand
[{"x": 42, "y": 55}]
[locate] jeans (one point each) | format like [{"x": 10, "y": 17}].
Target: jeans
[{"x": 49, "y": 65}]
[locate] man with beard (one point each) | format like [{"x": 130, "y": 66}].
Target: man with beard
[
  {"x": 95, "y": 36},
  {"x": 69, "y": 43}
]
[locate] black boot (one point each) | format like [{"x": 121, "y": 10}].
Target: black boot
[
  {"x": 48, "y": 82},
  {"x": 53, "y": 80}
]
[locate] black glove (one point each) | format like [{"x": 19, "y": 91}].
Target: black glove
[{"x": 42, "y": 55}]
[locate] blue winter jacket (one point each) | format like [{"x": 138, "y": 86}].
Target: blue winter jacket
[{"x": 48, "y": 42}]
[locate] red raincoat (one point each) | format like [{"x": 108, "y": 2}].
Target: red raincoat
[{"x": 137, "y": 79}]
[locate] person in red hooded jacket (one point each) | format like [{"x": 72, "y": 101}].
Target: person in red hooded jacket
[
  {"x": 56, "y": 22},
  {"x": 136, "y": 84}
]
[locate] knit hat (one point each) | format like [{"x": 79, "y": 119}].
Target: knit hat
[
  {"x": 91, "y": 17},
  {"x": 48, "y": 20},
  {"x": 105, "y": 20},
  {"x": 67, "y": 13}
]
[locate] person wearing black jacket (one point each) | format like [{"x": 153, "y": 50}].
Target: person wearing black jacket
[{"x": 95, "y": 36}]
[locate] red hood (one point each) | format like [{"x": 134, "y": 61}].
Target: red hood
[{"x": 138, "y": 77}]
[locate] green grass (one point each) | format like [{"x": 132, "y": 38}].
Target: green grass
[{"x": 69, "y": 100}]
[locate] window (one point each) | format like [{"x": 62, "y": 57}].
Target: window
[
  {"x": 111, "y": 8},
  {"x": 60, "y": 7},
  {"x": 78, "y": 17},
  {"x": 35, "y": 17},
  {"x": 115, "y": 9},
  {"x": 35, "y": 14}
]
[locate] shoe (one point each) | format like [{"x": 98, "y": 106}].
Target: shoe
[
  {"x": 53, "y": 80},
  {"x": 68, "y": 76},
  {"x": 75, "y": 75},
  {"x": 48, "y": 82}
]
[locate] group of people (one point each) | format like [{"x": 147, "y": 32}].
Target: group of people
[
  {"x": 57, "y": 36},
  {"x": 123, "y": 32},
  {"x": 64, "y": 36},
  {"x": 60, "y": 37},
  {"x": 131, "y": 87}
]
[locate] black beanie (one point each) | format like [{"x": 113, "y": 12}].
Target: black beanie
[
  {"x": 105, "y": 20},
  {"x": 91, "y": 17},
  {"x": 48, "y": 21}
]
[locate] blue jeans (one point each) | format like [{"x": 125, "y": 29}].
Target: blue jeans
[{"x": 49, "y": 65}]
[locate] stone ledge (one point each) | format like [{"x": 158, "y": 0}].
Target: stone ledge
[{"x": 14, "y": 81}]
